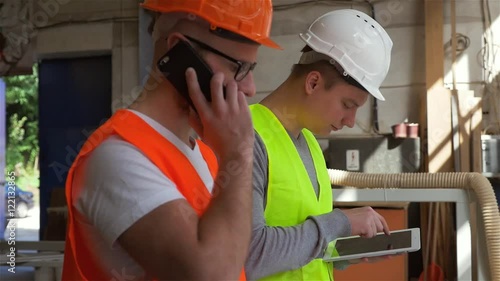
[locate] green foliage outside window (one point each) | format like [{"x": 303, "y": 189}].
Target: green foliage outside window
[{"x": 22, "y": 128}]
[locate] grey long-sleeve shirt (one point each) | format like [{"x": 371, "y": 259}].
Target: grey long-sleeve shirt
[{"x": 278, "y": 249}]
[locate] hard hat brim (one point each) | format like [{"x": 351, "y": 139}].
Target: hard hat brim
[
  {"x": 376, "y": 94},
  {"x": 269, "y": 43}
]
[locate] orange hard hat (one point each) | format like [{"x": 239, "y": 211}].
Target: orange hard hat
[{"x": 248, "y": 18}]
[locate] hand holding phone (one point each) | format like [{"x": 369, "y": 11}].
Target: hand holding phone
[
  {"x": 225, "y": 123},
  {"x": 177, "y": 60}
]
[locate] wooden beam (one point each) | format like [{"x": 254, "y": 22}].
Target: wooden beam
[
  {"x": 439, "y": 131},
  {"x": 465, "y": 111},
  {"x": 434, "y": 52},
  {"x": 436, "y": 102},
  {"x": 437, "y": 145},
  {"x": 476, "y": 129}
]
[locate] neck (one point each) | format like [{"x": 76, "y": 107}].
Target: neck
[
  {"x": 164, "y": 104},
  {"x": 284, "y": 102}
]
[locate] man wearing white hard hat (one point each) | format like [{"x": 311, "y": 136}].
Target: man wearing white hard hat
[{"x": 346, "y": 58}]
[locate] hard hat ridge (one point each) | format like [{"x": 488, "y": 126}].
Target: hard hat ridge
[{"x": 248, "y": 19}]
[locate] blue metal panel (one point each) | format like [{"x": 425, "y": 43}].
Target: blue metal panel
[{"x": 74, "y": 99}]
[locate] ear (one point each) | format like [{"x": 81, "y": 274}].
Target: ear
[
  {"x": 312, "y": 82},
  {"x": 163, "y": 45},
  {"x": 173, "y": 38}
]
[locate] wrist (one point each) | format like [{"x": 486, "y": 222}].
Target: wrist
[
  {"x": 235, "y": 164},
  {"x": 240, "y": 153},
  {"x": 233, "y": 169}
]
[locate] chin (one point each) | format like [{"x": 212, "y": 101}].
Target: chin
[{"x": 324, "y": 133}]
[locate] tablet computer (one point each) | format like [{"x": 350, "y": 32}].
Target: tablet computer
[{"x": 356, "y": 247}]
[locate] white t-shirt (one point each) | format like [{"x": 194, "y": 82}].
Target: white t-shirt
[{"x": 121, "y": 185}]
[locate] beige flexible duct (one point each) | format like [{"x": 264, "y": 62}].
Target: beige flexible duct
[{"x": 474, "y": 181}]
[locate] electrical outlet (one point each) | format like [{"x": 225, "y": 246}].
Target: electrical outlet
[{"x": 352, "y": 160}]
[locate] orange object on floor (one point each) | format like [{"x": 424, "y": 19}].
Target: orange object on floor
[{"x": 434, "y": 273}]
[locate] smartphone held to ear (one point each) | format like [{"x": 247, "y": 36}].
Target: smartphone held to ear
[{"x": 177, "y": 60}]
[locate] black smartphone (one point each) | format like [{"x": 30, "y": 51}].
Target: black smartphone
[{"x": 177, "y": 60}]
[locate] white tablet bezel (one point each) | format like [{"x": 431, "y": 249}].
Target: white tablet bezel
[{"x": 415, "y": 246}]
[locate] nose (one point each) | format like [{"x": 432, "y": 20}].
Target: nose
[
  {"x": 349, "y": 119},
  {"x": 247, "y": 85}
]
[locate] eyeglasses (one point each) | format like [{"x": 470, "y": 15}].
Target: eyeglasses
[{"x": 243, "y": 67}]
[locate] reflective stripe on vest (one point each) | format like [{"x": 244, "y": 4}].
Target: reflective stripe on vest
[
  {"x": 78, "y": 261},
  {"x": 290, "y": 194}
]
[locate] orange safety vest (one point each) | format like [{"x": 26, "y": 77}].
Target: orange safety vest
[{"x": 78, "y": 261}]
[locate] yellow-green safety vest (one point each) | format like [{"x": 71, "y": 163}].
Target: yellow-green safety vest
[{"x": 290, "y": 194}]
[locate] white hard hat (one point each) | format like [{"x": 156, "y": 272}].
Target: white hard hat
[{"x": 355, "y": 41}]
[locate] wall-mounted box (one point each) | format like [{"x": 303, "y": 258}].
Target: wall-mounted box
[
  {"x": 378, "y": 154},
  {"x": 490, "y": 145}
]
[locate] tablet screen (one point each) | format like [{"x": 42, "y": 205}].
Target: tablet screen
[{"x": 381, "y": 242}]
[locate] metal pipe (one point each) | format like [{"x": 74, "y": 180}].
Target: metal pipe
[{"x": 472, "y": 181}]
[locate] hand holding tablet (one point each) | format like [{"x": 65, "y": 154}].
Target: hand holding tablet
[{"x": 356, "y": 247}]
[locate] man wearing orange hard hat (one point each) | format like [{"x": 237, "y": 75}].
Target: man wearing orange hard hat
[{"x": 147, "y": 201}]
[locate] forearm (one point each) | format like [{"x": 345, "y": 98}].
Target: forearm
[
  {"x": 225, "y": 228},
  {"x": 278, "y": 249}
]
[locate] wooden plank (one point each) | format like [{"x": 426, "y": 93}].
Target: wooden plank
[
  {"x": 434, "y": 52},
  {"x": 476, "y": 131},
  {"x": 476, "y": 166},
  {"x": 474, "y": 245},
  {"x": 455, "y": 123},
  {"x": 465, "y": 111},
  {"x": 437, "y": 136},
  {"x": 453, "y": 43},
  {"x": 437, "y": 99}
]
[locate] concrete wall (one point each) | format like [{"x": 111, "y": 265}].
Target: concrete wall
[
  {"x": 78, "y": 28},
  {"x": 403, "y": 19}
]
